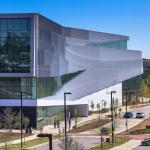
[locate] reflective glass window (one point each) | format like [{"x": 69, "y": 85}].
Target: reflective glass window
[
  {"x": 11, "y": 87},
  {"x": 15, "y": 46},
  {"x": 3, "y": 24},
  {"x": 4, "y": 34},
  {"x": 10, "y": 24},
  {"x": 17, "y": 24}
]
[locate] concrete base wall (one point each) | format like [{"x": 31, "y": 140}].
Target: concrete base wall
[
  {"x": 81, "y": 110},
  {"x": 103, "y": 95}
]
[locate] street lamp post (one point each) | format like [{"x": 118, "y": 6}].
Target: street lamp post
[
  {"x": 112, "y": 117},
  {"x": 65, "y": 118},
  {"x": 49, "y": 138},
  {"x": 98, "y": 106},
  {"x": 126, "y": 109},
  {"x": 75, "y": 115},
  {"x": 21, "y": 117},
  {"x": 103, "y": 104},
  {"x": 100, "y": 125}
]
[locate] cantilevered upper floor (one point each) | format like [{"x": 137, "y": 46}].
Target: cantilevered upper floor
[
  {"x": 32, "y": 45},
  {"x": 65, "y": 58}
]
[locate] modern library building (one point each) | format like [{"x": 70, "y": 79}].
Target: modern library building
[{"x": 42, "y": 59}]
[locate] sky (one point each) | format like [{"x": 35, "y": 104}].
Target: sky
[{"x": 125, "y": 17}]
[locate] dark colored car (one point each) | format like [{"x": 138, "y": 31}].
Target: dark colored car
[
  {"x": 145, "y": 143},
  {"x": 140, "y": 115},
  {"x": 128, "y": 115}
]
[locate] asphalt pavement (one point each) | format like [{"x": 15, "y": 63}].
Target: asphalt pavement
[
  {"x": 142, "y": 148},
  {"x": 87, "y": 142},
  {"x": 146, "y": 111}
]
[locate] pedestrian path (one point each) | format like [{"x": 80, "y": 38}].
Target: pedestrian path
[
  {"x": 119, "y": 128},
  {"x": 81, "y": 120},
  {"x": 131, "y": 144},
  {"x": 32, "y": 137}
]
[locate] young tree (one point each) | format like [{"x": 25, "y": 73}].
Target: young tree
[
  {"x": 26, "y": 122},
  {"x": 105, "y": 104},
  {"x": 40, "y": 127},
  {"x": 18, "y": 120},
  {"x": 7, "y": 118},
  {"x": 144, "y": 89},
  {"x": 98, "y": 107},
  {"x": 116, "y": 104},
  {"x": 120, "y": 110},
  {"x": 92, "y": 105}
]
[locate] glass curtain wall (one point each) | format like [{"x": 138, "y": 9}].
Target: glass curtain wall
[
  {"x": 49, "y": 85},
  {"x": 15, "y": 37},
  {"x": 115, "y": 44},
  {"x": 10, "y": 88},
  {"x": 47, "y": 115}
]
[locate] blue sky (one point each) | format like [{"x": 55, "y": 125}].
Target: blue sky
[{"x": 127, "y": 17}]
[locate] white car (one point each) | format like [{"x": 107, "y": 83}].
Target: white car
[{"x": 140, "y": 115}]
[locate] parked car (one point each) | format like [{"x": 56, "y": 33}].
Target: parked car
[
  {"x": 128, "y": 115},
  {"x": 140, "y": 115},
  {"x": 145, "y": 143}
]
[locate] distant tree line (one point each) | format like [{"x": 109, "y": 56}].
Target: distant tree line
[{"x": 139, "y": 86}]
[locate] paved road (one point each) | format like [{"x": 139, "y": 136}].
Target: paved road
[
  {"x": 146, "y": 111},
  {"x": 87, "y": 142},
  {"x": 142, "y": 148},
  {"x": 130, "y": 145}
]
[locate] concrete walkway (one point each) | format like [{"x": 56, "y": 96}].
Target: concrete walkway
[
  {"x": 120, "y": 126},
  {"x": 19, "y": 140},
  {"x": 50, "y": 128},
  {"x": 128, "y": 145}
]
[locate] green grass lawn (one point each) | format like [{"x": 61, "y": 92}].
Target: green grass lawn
[
  {"x": 89, "y": 125},
  {"x": 28, "y": 143},
  {"x": 5, "y": 137},
  {"x": 107, "y": 146},
  {"x": 141, "y": 131}
]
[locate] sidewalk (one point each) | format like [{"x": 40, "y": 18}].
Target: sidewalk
[
  {"x": 128, "y": 145},
  {"x": 50, "y": 128},
  {"x": 32, "y": 137},
  {"x": 80, "y": 121},
  {"x": 120, "y": 126}
]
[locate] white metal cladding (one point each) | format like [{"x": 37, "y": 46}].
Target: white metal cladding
[
  {"x": 67, "y": 50},
  {"x": 58, "y": 50}
]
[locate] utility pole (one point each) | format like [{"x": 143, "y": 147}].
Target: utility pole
[
  {"x": 99, "y": 124},
  {"x": 101, "y": 127},
  {"x": 98, "y": 106},
  {"x": 112, "y": 116},
  {"x": 21, "y": 117},
  {"x": 126, "y": 109},
  {"x": 75, "y": 115},
  {"x": 49, "y": 138},
  {"x": 65, "y": 119}
]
